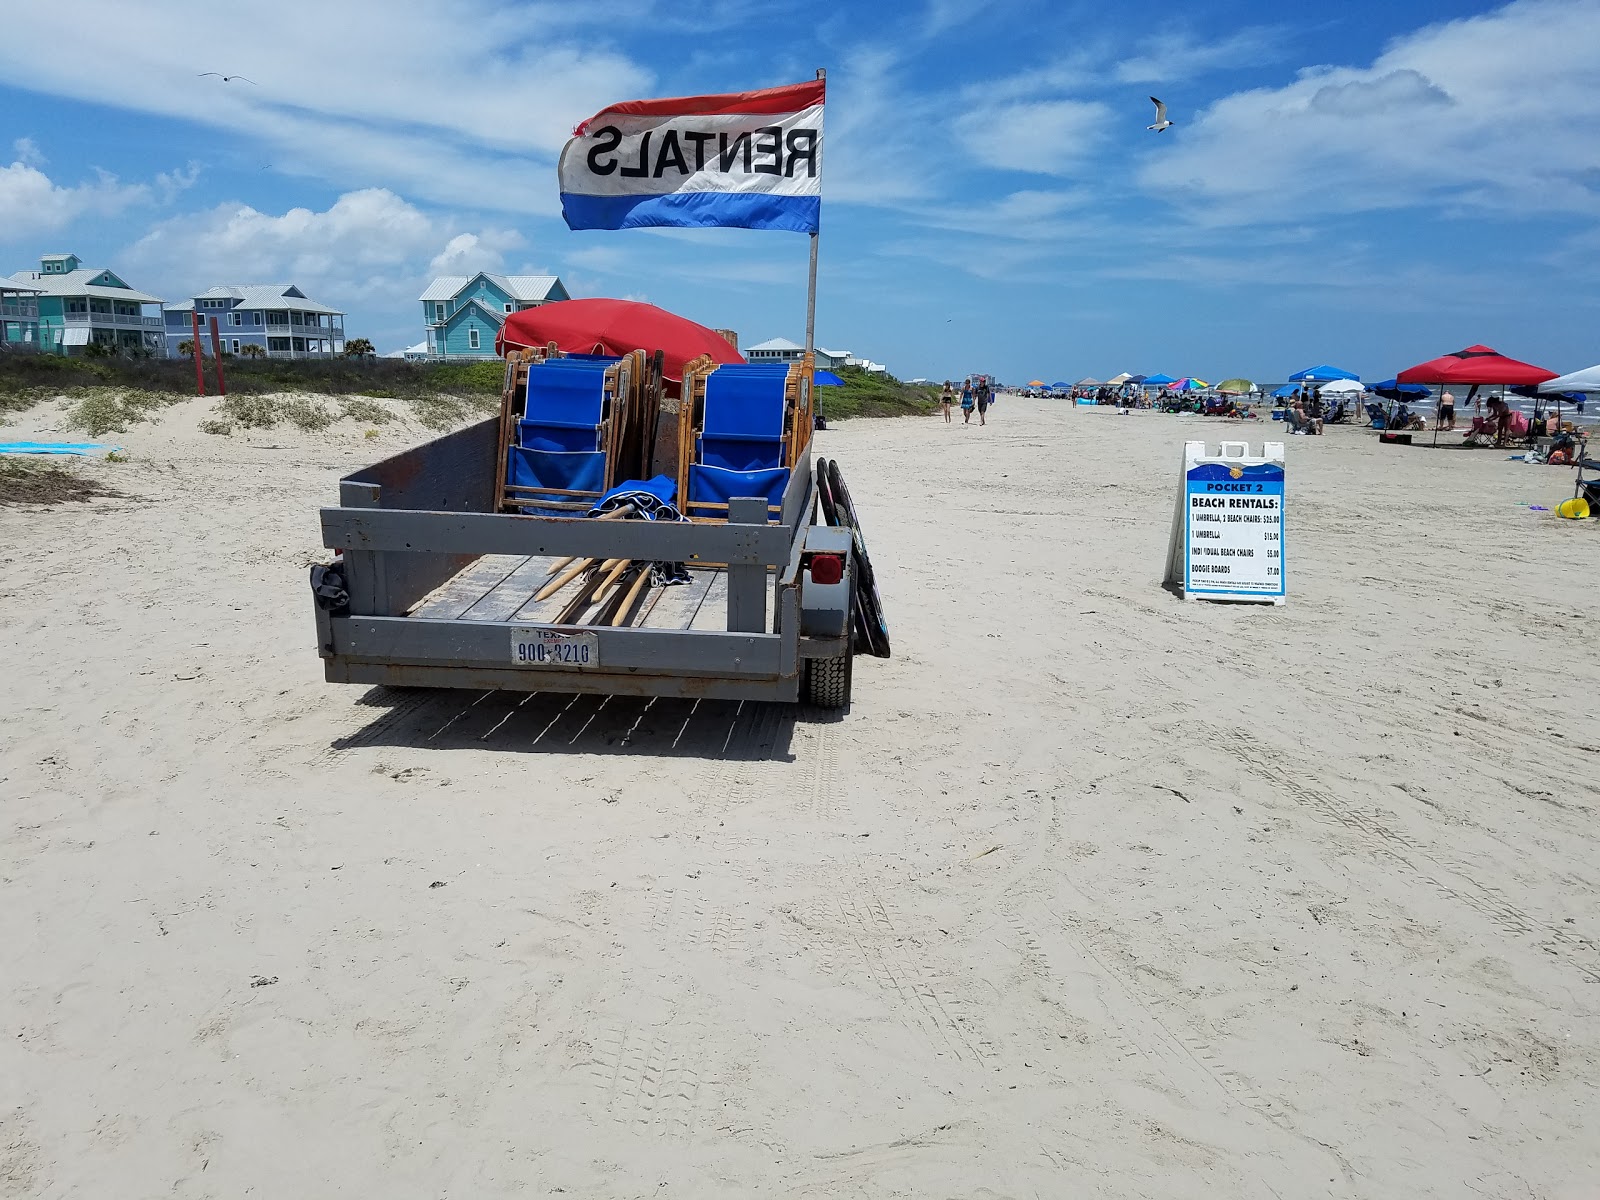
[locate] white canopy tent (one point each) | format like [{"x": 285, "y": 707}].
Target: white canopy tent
[
  {"x": 1119, "y": 380},
  {"x": 1579, "y": 381}
]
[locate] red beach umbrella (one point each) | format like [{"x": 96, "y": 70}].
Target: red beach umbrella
[
  {"x": 1475, "y": 365},
  {"x": 615, "y": 327}
]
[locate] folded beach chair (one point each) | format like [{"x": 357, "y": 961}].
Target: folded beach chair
[
  {"x": 749, "y": 423},
  {"x": 565, "y": 418},
  {"x": 1588, "y": 484}
]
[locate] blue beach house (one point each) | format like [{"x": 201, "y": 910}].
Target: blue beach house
[
  {"x": 277, "y": 318},
  {"x": 463, "y": 313}
]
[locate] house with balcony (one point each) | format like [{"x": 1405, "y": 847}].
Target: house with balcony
[
  {"x": 19, "y": 316},
  {"x": 778, "y": 350},
  {"x": 80, "y": 307},
  {"x": 277, "y": 318},
  {"x": 463, "y": 313}
]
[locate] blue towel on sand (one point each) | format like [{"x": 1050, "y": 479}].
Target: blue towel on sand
[{"x": 82, "y": 449}]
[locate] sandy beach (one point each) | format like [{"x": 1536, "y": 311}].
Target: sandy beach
[{"x": 1093, "y": 892}]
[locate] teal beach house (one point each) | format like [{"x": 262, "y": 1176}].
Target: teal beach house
[
  {"x": 79, "y": 307},
  {"x": 463, "y": 313}
]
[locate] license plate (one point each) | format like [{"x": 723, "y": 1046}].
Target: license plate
[{"x": 550, "y": 648}]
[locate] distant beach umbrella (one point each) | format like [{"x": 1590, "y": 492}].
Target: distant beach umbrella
[
  {"x": 1393, "y": 389},
  {"x": 1236, "y": 387},
  {"x": 826, "y": 379},
  {"x": 1036, "y": 383}
]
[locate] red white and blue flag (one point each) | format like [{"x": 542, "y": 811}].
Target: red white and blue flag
[{"x": 752, "y": 160}]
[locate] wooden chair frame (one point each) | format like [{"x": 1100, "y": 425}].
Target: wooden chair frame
[
  {"x": 797, "y": 424},
  {"x": 621, "y": 380}
]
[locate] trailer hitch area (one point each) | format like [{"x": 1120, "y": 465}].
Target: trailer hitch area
[{"x": 825, "y": 583}]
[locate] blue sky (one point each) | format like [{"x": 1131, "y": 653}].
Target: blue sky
[{"x": 1370, "y": 185}]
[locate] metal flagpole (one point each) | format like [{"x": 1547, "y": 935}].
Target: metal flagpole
[{"x": 811, "y": 287}]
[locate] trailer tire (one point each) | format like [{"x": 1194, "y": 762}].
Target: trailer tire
[{"x": 828, "y": 681}]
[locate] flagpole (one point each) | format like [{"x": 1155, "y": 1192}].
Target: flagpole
[{"x": 811, "y": 286}]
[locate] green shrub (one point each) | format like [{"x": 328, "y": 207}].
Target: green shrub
[
  {"x": 306, "y": 414},
  {"x": 367, "y": 412},
  {"x": 220, "y": 428},
  {"x": 248, "y": 412}
]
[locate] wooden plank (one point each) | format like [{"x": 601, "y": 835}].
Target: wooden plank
[
  {"x": 747, "y": 583},
  {"x": 419, "y": 532},
  {"x": 676, "y": 606},
  {"x": 409, "y": 640},
  {"x": 464, "y": 589},
  {"x": 713, "y": 610},
  {"x": 512, "y": 592}
]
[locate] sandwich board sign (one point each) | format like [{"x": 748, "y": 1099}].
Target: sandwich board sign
[{"x": 1227, "y": 530}]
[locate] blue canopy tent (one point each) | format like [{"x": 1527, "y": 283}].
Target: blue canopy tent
[
  {"x": 1059, "y": 384},
  {"x": 1286, "y": 391},
  {"x": 1158, "y": 380},
  {"x": 826, "y": 379},
  {"x": 1323, "y": 374}
]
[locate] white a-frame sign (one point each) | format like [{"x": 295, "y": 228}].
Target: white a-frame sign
[{"x": 1228, "y": 527}]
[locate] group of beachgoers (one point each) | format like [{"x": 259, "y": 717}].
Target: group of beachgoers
[{"x": 975, "y": 394}]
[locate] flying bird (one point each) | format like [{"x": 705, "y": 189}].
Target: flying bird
[
  {"x": 226, "y": 78},
  {"x": 1162, "y": 124}
]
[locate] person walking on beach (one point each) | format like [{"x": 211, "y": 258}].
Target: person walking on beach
[
  {"x": 966, "y": 401},
  {"x": 946, "y": 399},
  {"x": 982, "y": 397}
]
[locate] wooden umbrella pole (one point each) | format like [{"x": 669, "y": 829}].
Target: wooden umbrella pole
[
  {"x": 639, "y": 585},
  {"x": 615, "y": 513},
  {"x": 579, "y": 602},
  {"x": 566, "y": 577},
  {"x": 616, "y": 573}
]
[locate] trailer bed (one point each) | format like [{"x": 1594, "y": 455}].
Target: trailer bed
[{"x": 501, "y": 587}]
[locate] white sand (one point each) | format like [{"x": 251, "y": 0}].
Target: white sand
[{"x": 1291, "y": 903}]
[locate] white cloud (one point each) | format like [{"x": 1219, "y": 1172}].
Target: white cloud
[
  {"x": 462, "y": 103},
  {"x": 31, "y": 203},
  {"x": 1179, "y": 56},
  {"x": 27, "y": 152},
  {"x": 1047, "y": 137},
  {"x": 368, "y": 244},
  {"x": 1490, "y": 112}
]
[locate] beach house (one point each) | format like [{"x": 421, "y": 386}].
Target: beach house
[
  {"x": 80, "y": 307},
  {"x": 19, "y": 316},
  {"x": 783, "y": 350},
  {"x": 462, "y": 313},
  {"x": 277, "y": 318}
]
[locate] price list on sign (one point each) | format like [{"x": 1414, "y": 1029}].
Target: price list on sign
[{"x": 1228, "y": 535}]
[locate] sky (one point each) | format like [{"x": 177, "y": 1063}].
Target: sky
[{"x": 1368, "y": 184}]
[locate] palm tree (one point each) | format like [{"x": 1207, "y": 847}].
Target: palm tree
[
  {"x": 251, "y": 350},
  {"x": 359, "y": 348}
]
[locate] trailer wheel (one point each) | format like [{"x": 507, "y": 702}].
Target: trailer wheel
[{"x": 828, "y": 681}]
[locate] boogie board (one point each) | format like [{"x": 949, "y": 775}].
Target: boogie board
[{"x": 871, "y": 604}]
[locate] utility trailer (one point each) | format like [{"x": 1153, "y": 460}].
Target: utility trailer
[{"x": 436, "y": 586}]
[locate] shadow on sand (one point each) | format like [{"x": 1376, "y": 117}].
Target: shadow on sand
[{"x": 560, "y": 723}]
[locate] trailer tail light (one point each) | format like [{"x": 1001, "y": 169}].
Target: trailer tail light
[{"x": 827, "y": 568}]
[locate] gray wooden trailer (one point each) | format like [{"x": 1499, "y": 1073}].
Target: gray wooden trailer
[{"x": 436, "y": 589}]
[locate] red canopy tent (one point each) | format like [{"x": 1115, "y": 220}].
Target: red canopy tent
[
  {"x": 616, "y": 327},
  {"x": 1475, "y": 365}
]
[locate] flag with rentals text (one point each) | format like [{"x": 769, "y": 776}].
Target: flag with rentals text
[{"x": 750, "y": 160}]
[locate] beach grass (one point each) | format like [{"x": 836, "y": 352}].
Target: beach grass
[{"x": 875, "y": 395}]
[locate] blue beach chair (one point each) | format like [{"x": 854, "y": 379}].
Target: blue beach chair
[
  {"x": 744, "y": 438},
  {"x": 565, "y": 414}
]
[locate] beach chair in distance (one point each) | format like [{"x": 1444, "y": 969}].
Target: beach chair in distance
[
  {"x": 1587, "y": 486},
  {"x": 742, "y": 429},
  {"x": 566, "y": 421}
]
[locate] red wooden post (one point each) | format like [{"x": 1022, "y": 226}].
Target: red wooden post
[
  {"x": 194, "y": 344},
  {"x": 216, "y": 357}
]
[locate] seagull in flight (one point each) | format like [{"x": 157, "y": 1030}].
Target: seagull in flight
[
  {"x": 1162, "y": 124},
  {"x": 226, "y": 78}
]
